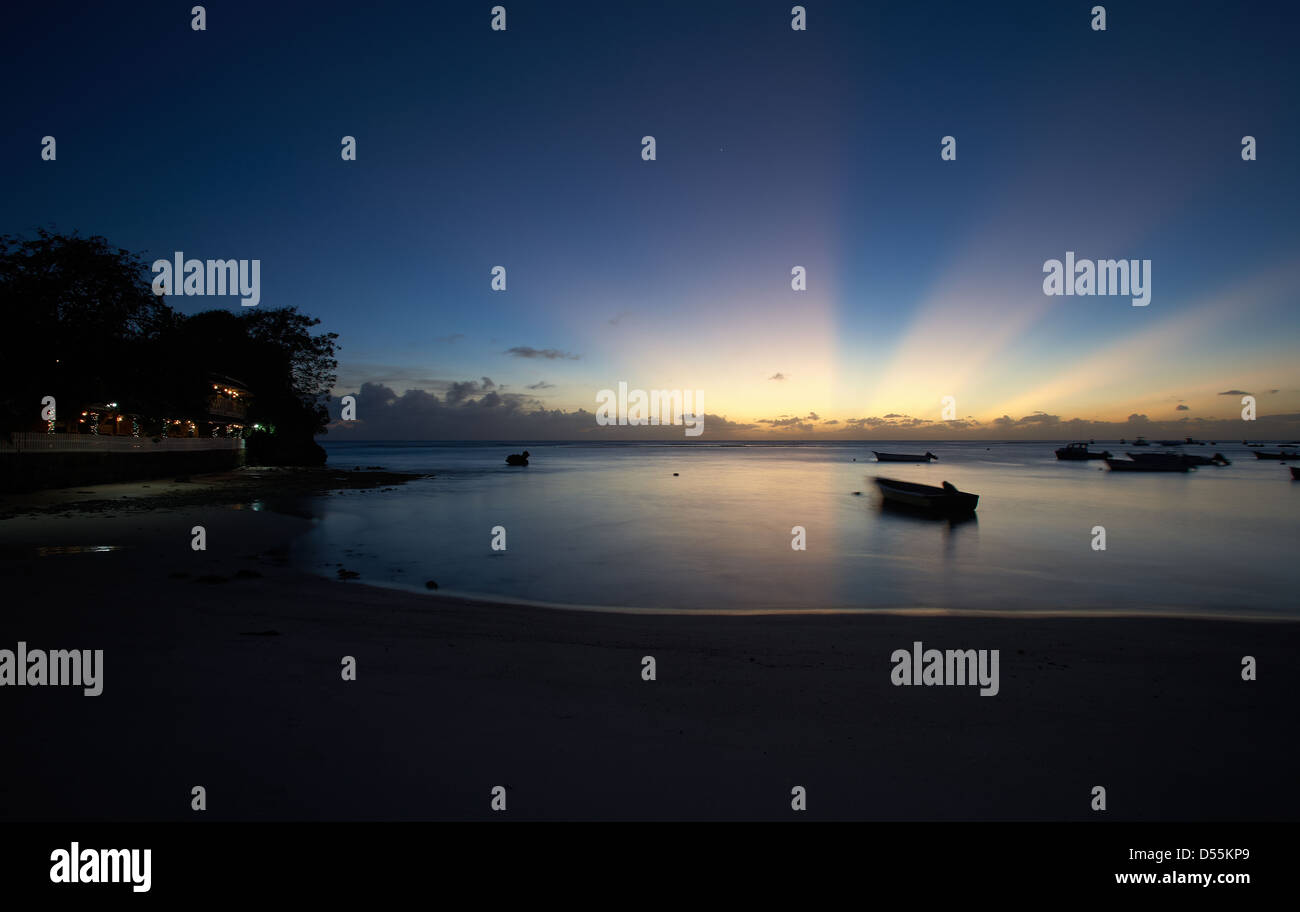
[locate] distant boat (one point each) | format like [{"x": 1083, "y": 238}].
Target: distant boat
[
  {"x": 946, "y": 500},
  {"x": 904, "y": 457},
  {"x": 1194, "y": 442},
  {"x": 1157, "y": 457},
  {"x": 1167, "y": 443},
  {"x": 1280, "y": 454},
  {"x": 1079, "y": 451},
  {"x": 1218, "y": 459},
  {"x": 1141, "y": 441},
  {"x": 517, "y": 459},
  {"x": 1147, "y": 465}
]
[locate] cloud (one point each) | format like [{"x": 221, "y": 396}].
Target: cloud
[
  {"x": 777, "y": 376},
  {"x": 482, "y": 409},
  {"x": 1182, "y": 408},
  {"x": 454, "y": 337},
  {"x": 615, "y": 320},
  {"x": 463, "y": 390},
  {"x": 469, "y": 411},
  {"x": 551, "y": 354},
  {"x": 787, "y": 422},
  {"x": 1235, "y": 393},
  {"x": 1036, "y": 420}
]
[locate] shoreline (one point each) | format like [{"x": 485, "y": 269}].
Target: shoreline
[
  {"x": 246, "y": 488},
  {"x": 222, "y": 669}
]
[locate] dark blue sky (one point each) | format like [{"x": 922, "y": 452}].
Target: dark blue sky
[{"x": 775, "y": 148}]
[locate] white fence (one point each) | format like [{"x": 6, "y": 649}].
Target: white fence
[{"x": 107, "y": 443}]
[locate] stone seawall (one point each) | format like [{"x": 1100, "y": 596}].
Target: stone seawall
[{"x": 38, "y": 471}]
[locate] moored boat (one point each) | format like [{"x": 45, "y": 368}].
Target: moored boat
[
  {"x": 1155, "y": 457},
  {"x": 1218, "y": 459},
  {"x": 1079, "y": 451},
  {"x": 904, "y": 457},
  {"x": 1141, "y": 441},
  {"x": 1276, "y": 454},
  {"x": 1147, "y": 465},
  {"x": 1167, "y": 443},
  {"x": 945, "y": 500}
]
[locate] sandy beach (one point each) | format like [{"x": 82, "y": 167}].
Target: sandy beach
[{"x": 222, "y": 669}]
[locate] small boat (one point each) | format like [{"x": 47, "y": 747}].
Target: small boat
[
  {"x": 1147, "y": 465},
  {"x": 904, "y": 457},
  {"x": 1280, "y": 454},
  {"x": 1141, "y": 441},
  {"x": 517, "y": 459},
  {"x": 1079, "y": 451},
  {"x": 946, "y": 500},
  {"x": 1166, "y": 456},
  {"x": 1167, "y": 443},
  {"x": 1194, "y": 442},
  {"x": 1295, "y": 473},
  {"x": 1194, "y": 459}
]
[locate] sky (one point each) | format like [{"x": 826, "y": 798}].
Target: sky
[{"x": 775, "y": 148}]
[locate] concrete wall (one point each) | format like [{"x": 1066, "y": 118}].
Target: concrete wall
[{"x": 28, "y": 471}]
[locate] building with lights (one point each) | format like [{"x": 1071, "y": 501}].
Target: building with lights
[{"x": 107, "y": 441}]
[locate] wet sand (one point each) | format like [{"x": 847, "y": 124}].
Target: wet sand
[{"x": 222, "y": 669}]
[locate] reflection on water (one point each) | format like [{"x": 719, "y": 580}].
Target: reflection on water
[
  {"x": 301, "y": 506},
  {"x": 14, "y": 553},
  {"x": 602, "y": 525}
]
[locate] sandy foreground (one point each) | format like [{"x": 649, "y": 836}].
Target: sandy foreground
[{"x": 222, "y": 670}]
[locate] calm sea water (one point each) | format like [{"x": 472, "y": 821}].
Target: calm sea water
[{"x": 611, "y": 525}]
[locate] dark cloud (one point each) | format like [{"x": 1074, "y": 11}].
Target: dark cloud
[
  {"x": 1036, "y": 420},
  {"x": 485, "y": 410},
  {"x": 541, "y": 385},
  {"x": 1182, "y": 408},
  {"x": 463, "y": 390},
  {"x": 777, "y": 376},
  {"x": 469, "y": 411},
  {"x": 454, "y": 337},
  {"x": 551, "y": 354},
  {"x": 1235, "y": 393}
]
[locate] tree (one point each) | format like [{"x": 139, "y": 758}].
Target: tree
[
  {"x": 79, "y": 315},
  {"x": 84, "y": 325}
]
